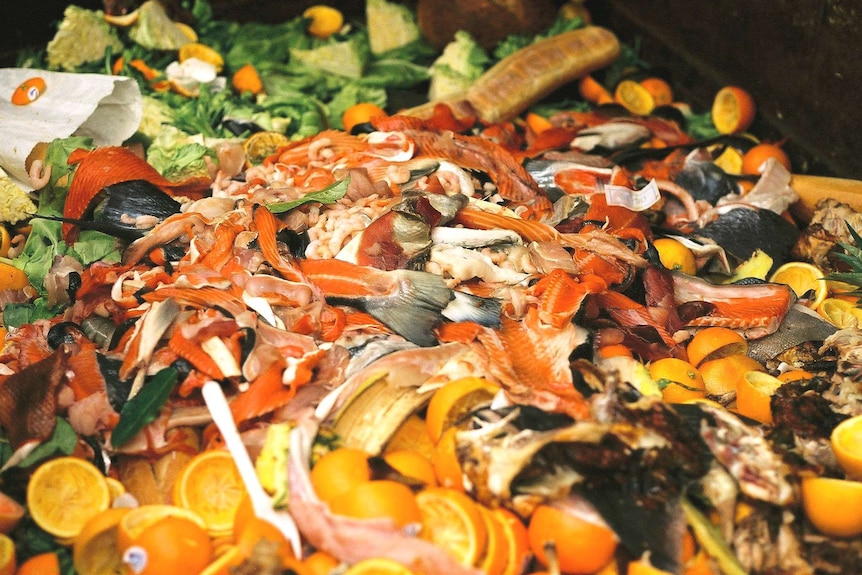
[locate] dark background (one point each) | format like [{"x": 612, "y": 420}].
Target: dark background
[{"x": 800, "y": 59}]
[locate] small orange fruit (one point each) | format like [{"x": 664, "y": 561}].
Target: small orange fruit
[
  {"x": 412, "y": 464},
  {"x": 377, "y": 499},
  {"x": 324, "y": 21},
  {"x": 846, "y": 441},
  {"x": 660, "y": 90},
  {"x": 338, "y": 471},
  {"x": 733, "y": 110},
  {"x": 714, "y": 343},
  {"x": 723, "y": 375},
  {"x": 41, "y": 564},
  {"x": 592, "y": 91},
  {"x": 452, "y": 520},
  {"x": 170, "y": 545},
  {"x": 359, "y": 114},
  {"x": 833, "y": 506},
  {"x": 755, "y": 157},
  {"x": 582, "y": 546},
  {"x": 678, "y": 379},
  {"x": 247, "y": 79},
  {"x": 754, "y": 395}
]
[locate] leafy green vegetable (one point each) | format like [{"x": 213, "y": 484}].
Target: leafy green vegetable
[
  {"x": 515, "y": 42},
  {"x": 93, "y": 246},
  {"x": 327, "y": 195},
  {"x": 18, "y": 314},
  {"x": 155, "y": 30},
  {"x": 83, "y": 36},
  {"x": 390, "y": 26},
  {"x": 62, "y": 442},
  {"x": 178, "y": 159},
  {"x": 347, "y": 58},
  {"x": 463, "y": 60},
  {"x": 144, "y": 407}
]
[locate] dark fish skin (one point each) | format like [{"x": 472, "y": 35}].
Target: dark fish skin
[
  {"x": 741, "y": 231},
  {"x": 705, "y": 181},
  {"x": 799, "y": 326}
]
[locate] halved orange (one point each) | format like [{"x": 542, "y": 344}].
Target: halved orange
[
  {"x": 381, "y": 498},
  {"x": 840, "y": 312},
  {"x": 211, "y": 486},
  {"x": 338, "y": 471},
  {"x": 64, "y": 493},
  {"x": 846, "y": 441},
  {"x": 724, "y": 375},
  {"x": 833, "y": 506},
  {"x": 755, "y": 157},
  {"x": 803, "y": 277},
  {"x": 450, "y": 403},
  {"x": 660, "y": 90},
  {"x": 452, "y": 521},
  {"x": 675, "y": 256},
  {"x": 733, "y": 110},
  {"x": 11, "y": 512},
  {"x": 754, "y": 395},
  {"x": 95, "y": 551},
  {"x": 714, "y": 343},
  {"x": 163, "y": 540}
]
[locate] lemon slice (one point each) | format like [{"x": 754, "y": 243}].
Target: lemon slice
[
  {"x": 730, "y": 160},
  {"x": 803, "y": 277},
  {"x": 201, "y": 52},
  {"x": 840, "y": 312},
  {"x": 634, "y": 97}
]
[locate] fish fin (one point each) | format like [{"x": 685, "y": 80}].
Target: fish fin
[
  {"x": 468, "y": 307},
  {"x": 414, "y": 309}
]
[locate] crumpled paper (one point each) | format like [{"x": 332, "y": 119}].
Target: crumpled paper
[{"x": 106, "y": 108}]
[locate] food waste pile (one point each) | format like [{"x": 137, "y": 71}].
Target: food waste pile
[{"x": 347, "y": 303}]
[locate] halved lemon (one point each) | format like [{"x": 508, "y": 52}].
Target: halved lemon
[
  {"x": 803, "y": 277},
  {"x": 260, "y": 145}
]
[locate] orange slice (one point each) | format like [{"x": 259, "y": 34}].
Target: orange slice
[
  {"x": 452, "y": 521},
  {"x": 634, "y": 97},
  {"x": 11, "y": 513},
  {"x": 495, "y": 559},
  {"x": 846, "y": 440},
  {"x": 518, "y": 543},
  {"x": 754, "y": 394},
  {"x": 833, "y": 506},
  {"x": 733, "y": 110},
  {"x": 64, "y": 493},
  {"x": 211, "y": 486},
  {"x": 378, "y": 566},
  {"x": 450, "y": 403},
  {"x": 447, "y": 468}
]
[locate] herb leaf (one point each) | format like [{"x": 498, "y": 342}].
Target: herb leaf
[
  {"x": 327, "y": 195},
  {"x": 62, "y": 441},
  {"x": 143, "y": 408}
]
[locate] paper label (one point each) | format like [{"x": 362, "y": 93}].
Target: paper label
[{"x": 635, "y": 200}]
